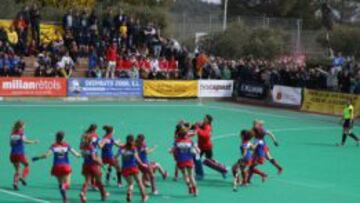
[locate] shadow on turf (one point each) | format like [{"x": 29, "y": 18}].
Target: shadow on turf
[{"x": 214, "y": 183}]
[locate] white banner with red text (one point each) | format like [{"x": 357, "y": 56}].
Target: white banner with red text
[{"x": 286, "y": 95}]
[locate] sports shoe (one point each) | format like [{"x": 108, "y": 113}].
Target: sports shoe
[
  {"x": 166, "y": 174},
  {"x": 15, "y": 186},
  {"x": 83, "y": 197},
  {"x": 191, "y": 190},
  {"x": 105, "y": 196},
  {"x": 195, "y": 191},
  {"x": 145, "y": 198},
  {"x": 147, "y": 184},
  {"x": 23, "y": 182},
  {"x": 263, "y": 178},
  {"x": 224, "y": 175},
  {"x": 128, "y": 197},
  {"x": 280, "y": 170}
]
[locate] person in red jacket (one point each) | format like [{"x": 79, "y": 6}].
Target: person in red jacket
[
  {"x": 111, "y": 56},
  {"x": 206, "y": 147},
  {"x": 204, "y": 137}
]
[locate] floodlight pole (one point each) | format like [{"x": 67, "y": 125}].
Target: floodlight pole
[{"x": 225, "y": 14}]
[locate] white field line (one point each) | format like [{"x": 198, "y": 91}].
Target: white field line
[
  {"x": 33, "y": 199},
  {"x": 305, "y": 184},
  {"x": 256, "y": 112},
  {"x": 228, "y": 135}
]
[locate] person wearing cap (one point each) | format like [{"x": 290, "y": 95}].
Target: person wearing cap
[{"x": 348, "y": 121}]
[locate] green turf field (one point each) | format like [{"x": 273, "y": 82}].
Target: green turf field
[{"x": 315, "y": 169}]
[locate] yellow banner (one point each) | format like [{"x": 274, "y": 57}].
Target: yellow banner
[
  {"x": 328, "y": 102},
  {"x": 5, "y": 24},
  {"x": 170, "y": 88},
  {"x": 48, "y": 32}
]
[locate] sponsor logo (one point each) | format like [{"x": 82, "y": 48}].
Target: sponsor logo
[
  {"x": 215, "y": 87},
  {"x": 74, "y": 86},
  {"x": 18, "y": 84},
  {"x": 252, "y": 89}
]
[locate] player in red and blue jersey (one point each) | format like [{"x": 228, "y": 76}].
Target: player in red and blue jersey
[
  {"x": 184, "y": 150},
  {"x": 91, "y": 132},
  {"x": 129, "y": 163},
  {"x": 245, "y": 161},
  {"x": 106, "y": 144},
  {"x": 61, "y": 168},
  {"x": 258, "y": 158},
  {"x": 17, "y": 154},
  {"x": 182, "y": 125},
  {"x": 91, "y": 169},
  {"x": 151, "y": 167},
  {"x": 260, "y": 133}
]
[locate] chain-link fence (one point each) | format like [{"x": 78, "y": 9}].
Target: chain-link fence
[{"x": 188, "y": 26}]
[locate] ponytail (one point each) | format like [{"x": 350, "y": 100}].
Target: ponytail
[{"x": 91, "y": 128}]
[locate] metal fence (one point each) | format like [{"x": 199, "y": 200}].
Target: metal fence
[{"x": 186, "y": 26}]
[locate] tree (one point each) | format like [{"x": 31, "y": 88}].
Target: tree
[
  {"x": 304, "y": 9},
  {"x": 343, "y": 38},
  {"x": 240, "y": 40}
]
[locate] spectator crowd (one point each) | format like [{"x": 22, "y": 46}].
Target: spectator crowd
[{"x": 118, "y": 45}]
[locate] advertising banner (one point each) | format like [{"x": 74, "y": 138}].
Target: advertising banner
[
  {"x": 286, "y": 95},
  {"x": 87, "y": 87},
  {"x": 216, "y": 88},
  {"x": 170, "y": 88},
  {"x": 252, "y": 90},
  {"x": 31, "y": 86},
  {"x": 328, "y": 102}
]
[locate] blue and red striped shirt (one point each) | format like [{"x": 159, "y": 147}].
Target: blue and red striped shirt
[
  {"x": 61, "y": 154},
  {"x": 17, "y": 143}
]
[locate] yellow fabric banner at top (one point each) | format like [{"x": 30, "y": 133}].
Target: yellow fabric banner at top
[
  {"x": 329, "y": 102},
  {"x": 170, "y": 88},
  {"x": 48, "y": 32}
]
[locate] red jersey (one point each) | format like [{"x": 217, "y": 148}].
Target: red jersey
[
  {"x": 111, "y": 54},
  {"x": 204, "y": 137},
  {"x": 119, "y": 63},
  {"x": 173, "y": 65},
  {"x": 123, "y": 64},
  {"x": 163, "y": 65},
  {"x": 145, "y": 64}
]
